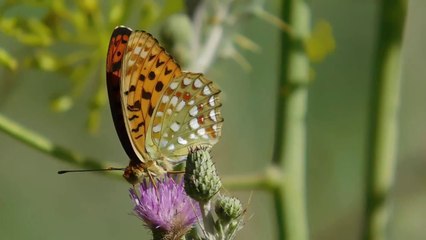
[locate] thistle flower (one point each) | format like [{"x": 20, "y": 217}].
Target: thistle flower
[{"x": 166, "y": 209}]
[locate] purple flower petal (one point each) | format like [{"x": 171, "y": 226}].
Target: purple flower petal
[{"x": 166, "y": 208}]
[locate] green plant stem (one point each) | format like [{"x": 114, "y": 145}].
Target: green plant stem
[
  {"x": 289, "y": 151},
  {"x": 207, "y": 216},
  {"x": 382, "y": 134},
  {"x": 44, "y": 145},
  {"x": 268, "y": 180}
]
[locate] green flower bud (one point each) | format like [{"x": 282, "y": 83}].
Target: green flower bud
[
  {"x": 228, "y": 208},
  {"x": 201, "y": 179}
]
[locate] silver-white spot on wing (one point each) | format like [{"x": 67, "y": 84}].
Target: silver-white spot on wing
[
  {"x": 193, "y": 111},
  {"x": 175, "y": 127},
  {"x": 211, "y": 101},
  {"x": 194, "y": 123},
  {"x": 163, "y": 143},
  {"x": 174, "y": 101},
  {"x": 171, "y": 147},
  {"x": 213, "y": 115},
  {"x": 180, "y": 105},
  {"x": 207, "y": 91},
  {"x": 182, "y": 141},
  {"x": 187, "y": 81},
  {"x": 174, "y": 85},
  {"x": 157, "y": 128},
  {"x": 198, "y": 83},
  {"x": 201, "y": 131},
  {"x": 165, "y": 99}
]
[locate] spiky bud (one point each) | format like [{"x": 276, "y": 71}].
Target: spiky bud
[
  {"x": 201, "y": 179},
  {"x": 228, "y": 208}
]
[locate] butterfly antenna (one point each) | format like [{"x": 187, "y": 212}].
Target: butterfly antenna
[{"x": 91, "y": 170}]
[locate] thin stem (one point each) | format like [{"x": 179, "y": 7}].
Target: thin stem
[
  {"x": 197, "y": 14},
  {"x": 289, "y": 149},
  {"x": 268, "y": 180},
  {"x": 209, "y": 50},
  {"x": 206, "y": 53},
  {"x": 208, "y": 221},
  {"x": 44, "y": 145},
  {"x": 383, "y": 123}
]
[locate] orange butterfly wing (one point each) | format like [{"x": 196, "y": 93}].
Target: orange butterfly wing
[
  {"x": 147, "y": 71},
  {"x": 116, "y": 49}
]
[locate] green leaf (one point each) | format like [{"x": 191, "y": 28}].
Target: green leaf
[
  {"x": 7, "y": 60},
  {"x": 46, "y": 61},
  {"x": 150, "y": 12},
  {"x": 33, "y": 32},
  {"x": 171, "y": 7},
  {"x": 62, "y": 103},
  {"x": 321, "y": 42}
]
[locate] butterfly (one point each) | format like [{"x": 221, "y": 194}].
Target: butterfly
[{"x": 159, "y": 111}]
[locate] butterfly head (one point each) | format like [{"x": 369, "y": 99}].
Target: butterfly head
[
  {"x": 133, "y": 174},
  {"x": 137, "y": 170}
]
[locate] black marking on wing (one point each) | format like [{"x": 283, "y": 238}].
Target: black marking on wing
[
  {"x": 133, "y": 117},
  {"x": 167, "y": 71},
  {"x": 151, "y": 57},
  {"x": 146, "y": 95},
  {"x": 116, "y": 66},
  {"x": 150, "y": 110},
  {"x": 159, "y": 86},
  {"x": 159, "y": 63},
  {"x": 131, "y": 89},
  {"x": 136, "y": 129},
  {"x": 151, "y": 75},
  {"x": 135, "y": 107}
]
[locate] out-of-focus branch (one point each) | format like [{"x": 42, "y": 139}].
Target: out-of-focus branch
[
  {"x": 382, "y": 136},
  {"x": 44, "y": 145},
  {"x": 290, "y": 146},
  {"x": 204, "y": 52}
]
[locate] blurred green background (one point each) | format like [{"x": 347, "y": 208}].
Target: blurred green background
[{"x": 36, "y": 203}]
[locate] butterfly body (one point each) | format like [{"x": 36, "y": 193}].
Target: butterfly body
[{"x": 159, "y": 111}]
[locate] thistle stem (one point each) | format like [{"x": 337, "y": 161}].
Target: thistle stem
[{"x": 208, "y": 221}]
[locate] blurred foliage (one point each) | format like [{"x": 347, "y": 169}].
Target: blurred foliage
[
  {"x": 7, "y": 60},
  {"x": 71, "y": 37},
  {"x": 321, "y": 42}
]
